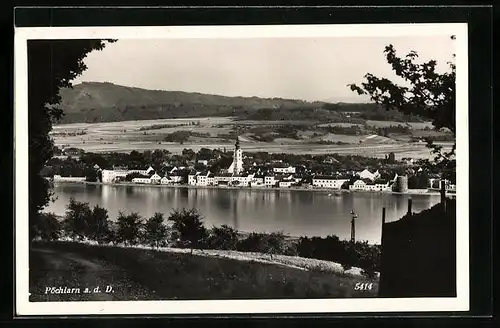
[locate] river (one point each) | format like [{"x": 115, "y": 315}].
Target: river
[{"x": 297, "y": 213}]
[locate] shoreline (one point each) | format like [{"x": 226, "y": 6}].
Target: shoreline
[{"x": 333, "y": 192}]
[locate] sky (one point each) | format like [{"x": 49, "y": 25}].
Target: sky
[{"x": 312, "y": 69}]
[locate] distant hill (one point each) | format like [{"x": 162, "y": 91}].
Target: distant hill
[
  {"x": 92, "y": 102},
  {"x": 347, "y": 100},
  {"x": 106, "y": 102}
]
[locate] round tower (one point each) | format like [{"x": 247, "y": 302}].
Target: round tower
[{"x": 401, "y": 184}]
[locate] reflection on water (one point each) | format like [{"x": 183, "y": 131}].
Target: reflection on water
[{"x": 298, "y": 213}]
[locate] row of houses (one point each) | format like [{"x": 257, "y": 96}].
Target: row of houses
[
  {"x": 283, "y": 177},
  {"x": 157, "y": 179},
  {"x": 285, "y": 181},
  {"x": 149, "y": 176}
]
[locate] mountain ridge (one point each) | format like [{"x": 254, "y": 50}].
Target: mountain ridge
[{"x": 105, "y": 102}]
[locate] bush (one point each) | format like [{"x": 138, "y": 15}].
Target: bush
[
  {"x": 275, "y": 243},
  {"x": 223, "y": 237},
  {"x": 360, "y": 254},
  {"x": 272, "y": 244},
  {"x": 129, "y": 228},
  {"x": 255, "y": 242},
  {"x": 98, "y": 225},
  {"x": 188, "y": 226},
  {"x": 155, "y": 231},
  {"x": 48, "y": 226},
  {"x": 291, "y": 249},
  {"x": 77, "y": 219}
]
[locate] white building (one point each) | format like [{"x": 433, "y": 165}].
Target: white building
[
  {"x": 237, "y": 165},
  {"x": 165, "y": 180},
  {"x": 365, "y": 174},
  {"x": 192, "y": 179},
  {"x": 289, "y": 169},
  {"x": 241, "y": 180},
  {"x": 142, "y": 172},
  {"x": 110, "y": 176},
  {"x": 436, "y": 185},
  {"x": 328, "y": 182},
  {"x": 358, "y": 185},
  {"x": 286, "y": 183},
  {"x": 142, "y": 180},
  {"x": 269, "y": 180},
  {"x": 383, "y": 186},
  {"x": 257, "y": 181},
  {"x": 58, "y": 178},
  {"x": 155, "y": 178},
  {"x": 210, "y": 179},
  {"x": 370, "y": 186},
  {"x": 222, "y": 179}
]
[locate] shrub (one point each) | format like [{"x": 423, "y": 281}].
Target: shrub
[
  {"x": 188, "y": 226},
  {"x": 155, "y": 231},
  {"x": 77, "y": 219},
  {"x": 129, "y": 228},
  {"x": 359, "y": 254},
  {"x": 48, "y": 227},
  {"x": 255, "y": 242},
  {"x": 98, "y": 224},
  {"x": 275, "y": 243},
  {"x": 223, "y": 237}
]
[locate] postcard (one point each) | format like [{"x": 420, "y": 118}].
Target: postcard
[{"x": 241, "y": 169}]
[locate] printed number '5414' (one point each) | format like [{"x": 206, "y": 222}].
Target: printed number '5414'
[{"x": 363, "y": 286}]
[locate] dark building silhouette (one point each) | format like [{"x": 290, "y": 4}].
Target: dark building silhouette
[{"x": 419, "y": 254}]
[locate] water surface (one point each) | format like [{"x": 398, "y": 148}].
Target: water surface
[{"x": 298, "y": 213}]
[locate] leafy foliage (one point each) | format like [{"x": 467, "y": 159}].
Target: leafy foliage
[
  {"x": 272, "y": 244},
  {"x": 188, "y": 225},
  {"x": 129, "y": 228},
  {"x": 223, "y": 237},
  {"x": 48, "y": 226},
  {"x": 77, "y": 221},
  {"x": 331, "y": 248},
  {"x": 52, "y": 65},
  {"x": 156, "y": 231},
  {"x": 429, "y": 94},
  {"x": 98, "y": 224},
  {"x": 254, "y": 242}
]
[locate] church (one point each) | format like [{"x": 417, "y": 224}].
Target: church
[{"x": 237, "y": 165}]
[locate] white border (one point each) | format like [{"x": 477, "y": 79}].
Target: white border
[{"x": 24, "y": 307}]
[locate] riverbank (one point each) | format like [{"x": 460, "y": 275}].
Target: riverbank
[{"x": 331, "y": 192}]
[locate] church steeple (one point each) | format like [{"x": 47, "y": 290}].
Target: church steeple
[{"x": 237, "y": 165}]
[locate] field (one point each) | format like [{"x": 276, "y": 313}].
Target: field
[
  {"x": 301, "y": 137},
  {"x": 413, "y": 125},
  {"x": 144, "y": 274}
]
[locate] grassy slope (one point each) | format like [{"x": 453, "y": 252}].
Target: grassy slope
[{"x": 141, "y": 274}]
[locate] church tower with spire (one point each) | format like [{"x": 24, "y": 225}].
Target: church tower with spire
[{"x": 237, "y": 165}]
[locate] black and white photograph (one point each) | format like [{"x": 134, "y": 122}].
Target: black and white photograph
[{"x": 241, "y": 169}]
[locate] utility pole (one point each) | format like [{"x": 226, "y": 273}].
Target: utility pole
[{"x": 353, "y": 227}]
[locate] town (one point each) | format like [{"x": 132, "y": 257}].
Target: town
[{"x": 215, "y": 169}]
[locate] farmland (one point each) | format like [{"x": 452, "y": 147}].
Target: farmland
[{"x": 300, "y": 137}]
